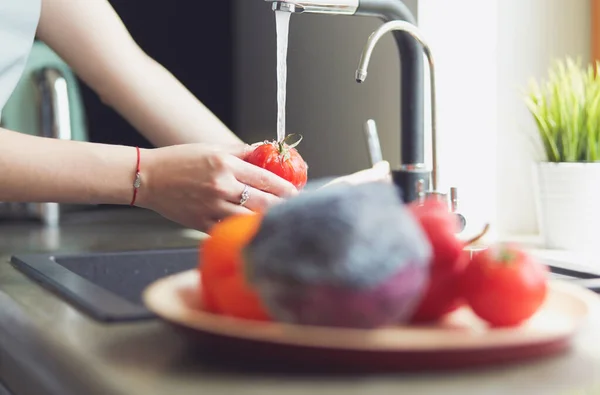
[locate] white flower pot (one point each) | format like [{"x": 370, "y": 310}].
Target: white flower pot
[{"x": 568, "y": 205}]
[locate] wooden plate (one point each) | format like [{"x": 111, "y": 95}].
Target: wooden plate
[{"x": 461, "y": 341}]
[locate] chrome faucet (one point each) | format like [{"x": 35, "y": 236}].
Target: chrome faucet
[
  {"x": 423, "y": 190},
  {"x": 412, "y": 168}
]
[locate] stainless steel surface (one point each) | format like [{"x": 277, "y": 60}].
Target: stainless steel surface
[
  {"x": 372, "y": 139},
  {"x": 49, "y": 212},
  {"x": 49, "y": 348},
  {"x": 454, "y": 208},
  {"x": 453, "y": 199},
  {"x": 338, "y": 7},
  {"x": 52, "y": 85},
  {"x": 285, "y": 7}
]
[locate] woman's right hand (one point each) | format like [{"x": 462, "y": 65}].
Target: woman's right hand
[{"x": 197, "y": 185}]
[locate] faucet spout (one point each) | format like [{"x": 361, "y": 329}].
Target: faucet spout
[
  {"x": 362, "y": 70},
  {"x": 337, "y": 7}
]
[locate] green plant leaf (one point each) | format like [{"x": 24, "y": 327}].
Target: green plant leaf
[{"x": 566, "y": 109}]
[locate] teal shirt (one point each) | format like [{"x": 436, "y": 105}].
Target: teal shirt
[{"x": 18, "y": 24}]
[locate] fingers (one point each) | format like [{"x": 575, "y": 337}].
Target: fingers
[
  {"x": 227, "y": 176},
  {"x": 261, "y": 179},
  {"x": 252, "y": 175},
  {"x": 226, "y": 209},
  {"x": 240, "y": 151},
  {"x": 208, "y": 225},
  {"x": 257, "y": 199},
  {"x": 227, "y": 186},
  {"x": 223, "y": 210}
]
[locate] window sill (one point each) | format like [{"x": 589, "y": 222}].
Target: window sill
[{"x": 560, "y": 258}]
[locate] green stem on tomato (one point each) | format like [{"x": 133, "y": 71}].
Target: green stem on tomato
[
  {"x": 284, "y": 146},
  {"x": 505, "y": 255},
  {"x": 293, "y": 143}
]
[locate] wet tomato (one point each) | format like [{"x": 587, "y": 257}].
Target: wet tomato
[
  {"x": 504, "y": 285},
  {"x": 223, "y": 284},
  {"x": 283, "y": 159}
]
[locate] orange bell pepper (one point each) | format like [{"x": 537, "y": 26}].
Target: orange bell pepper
[{"x": 224, "y": 287}]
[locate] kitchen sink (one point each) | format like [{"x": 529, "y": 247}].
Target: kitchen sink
[{"x": 106, "y": 286}]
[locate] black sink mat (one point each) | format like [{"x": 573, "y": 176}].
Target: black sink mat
[{"x": 105, "y": 286}]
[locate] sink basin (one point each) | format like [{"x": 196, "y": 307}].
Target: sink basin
[{"x": 105, "y": 286}]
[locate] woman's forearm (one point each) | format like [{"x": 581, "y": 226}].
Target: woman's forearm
[
  {"x": 159, "y": 106},
  {"x": 91, "y": 38},
  {"x": 36, "y": 169}
]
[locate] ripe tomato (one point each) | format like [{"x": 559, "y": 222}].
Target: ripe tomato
[
  {"x": 504, "y": 286},
  {"x": 223, "y": 284},
  {"x": 443, "y": 291},
  {"x": 283, "y": 159}
]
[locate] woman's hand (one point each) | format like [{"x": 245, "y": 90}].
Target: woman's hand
[{"x": 197, "y": 185}]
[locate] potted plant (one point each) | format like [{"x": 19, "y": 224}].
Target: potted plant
[{"x": 566, "y": 110}]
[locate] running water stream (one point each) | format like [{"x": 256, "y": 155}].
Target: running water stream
[{"x": 282, "y": 21}]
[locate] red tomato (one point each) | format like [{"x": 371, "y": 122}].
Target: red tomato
[
  {"x": 282, "y": 159},
  {"x": 504, "y": 286},
  {"x": 443, "y": 291}
]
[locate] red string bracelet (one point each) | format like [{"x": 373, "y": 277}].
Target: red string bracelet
[{"x": 138, "y": 177}]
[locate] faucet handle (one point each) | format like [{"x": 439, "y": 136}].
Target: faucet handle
[
  {"x": 452, "y": 203},
  {"x": 462, "y": 221},
  {"x": 454, "y": 199},
  {"x": 372, "y": 139}
]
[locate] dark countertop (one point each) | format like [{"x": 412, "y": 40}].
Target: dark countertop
[{"x": 48, "y": 347}]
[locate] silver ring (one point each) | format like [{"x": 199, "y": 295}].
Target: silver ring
[{"x": 245, "y": 195}]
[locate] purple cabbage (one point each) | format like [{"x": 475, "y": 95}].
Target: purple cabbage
[{"x": 343, "y": 256}]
